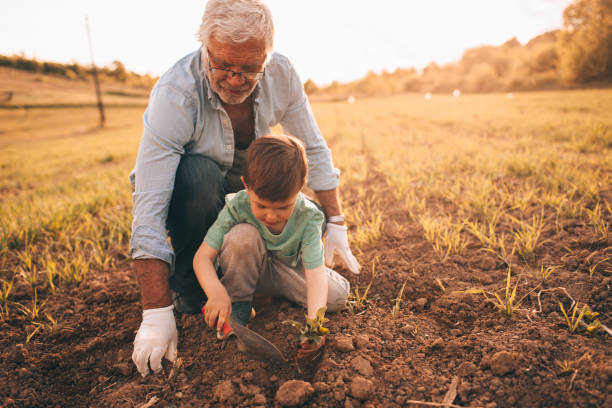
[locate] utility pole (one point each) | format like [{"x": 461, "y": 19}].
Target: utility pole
[{"x": 94, "y": 72}]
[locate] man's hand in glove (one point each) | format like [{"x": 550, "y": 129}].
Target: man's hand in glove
[
  {"x": 336, "y": 240},
  {"x": 156, "y": 338}
]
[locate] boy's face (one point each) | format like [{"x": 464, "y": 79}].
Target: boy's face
[{"x": 272, "y": 214}]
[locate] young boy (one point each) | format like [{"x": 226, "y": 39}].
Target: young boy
[{"x": 267, "y": 240}]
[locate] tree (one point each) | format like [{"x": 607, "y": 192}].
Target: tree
[
  {"x": 310, "y": 87},
  {"x": 119, "y": 71},
  {"x": 585, "y": 46}
]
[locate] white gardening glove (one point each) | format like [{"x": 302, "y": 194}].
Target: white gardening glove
[
  {"x": 156, "y": 338},
  {"x": 336, "y": 241}
]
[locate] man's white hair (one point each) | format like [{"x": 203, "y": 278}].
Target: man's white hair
[{"x": 237, "y": 21}]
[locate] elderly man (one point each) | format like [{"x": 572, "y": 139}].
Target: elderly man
[{"x": 202, "y": 115}]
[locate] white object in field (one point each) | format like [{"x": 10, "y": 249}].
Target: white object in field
[
  {"x": 510, "y": 95},
  {"x": 351, "y": 99},
  {"x": 456, "y": 93},
  {"x": 428, "y": 96}
]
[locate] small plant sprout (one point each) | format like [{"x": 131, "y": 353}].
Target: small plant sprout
[
  {"x": 545, "y": 273},
  {"x": 592, "y": 325},
  {"x": 51, "y": 268},
  {"x": 33, "y": 313},
  {"x": 356, "y": 302},
  {"x": 565, "y": 366},
  {"x": 507, "y": 305},
  {"x": 313, "y": 331},
  {"x": 31, "y": 334},
  {"x": 600, "y": 226},
  {"x": 527, "y": 236},
  {"x": 4, "y": 294},
  {"x": 53, "y": 322},
  {"x": 397, "y": 302},
  {"x": 439, "y": 282},
  {"x": 573, "y": 321},
  {"x": 593, "y": 268}
]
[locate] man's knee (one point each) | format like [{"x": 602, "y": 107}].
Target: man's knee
[{"x": 198, "y": 189}]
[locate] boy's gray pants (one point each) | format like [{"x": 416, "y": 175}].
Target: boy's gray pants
[{"x": 248, "y": 269}]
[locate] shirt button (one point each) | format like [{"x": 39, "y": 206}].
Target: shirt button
[{"x": 229, "y": 147}]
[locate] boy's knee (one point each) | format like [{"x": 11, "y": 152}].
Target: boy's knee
[
  {"x": 338, "y": 293},
  {"x": 243, "y": 240}
]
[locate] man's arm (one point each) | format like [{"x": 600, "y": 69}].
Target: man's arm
[
  {"x": 330, "y": 202},
  {"x": 152, "y": 276},
  {"x": 168, "y": 127}
]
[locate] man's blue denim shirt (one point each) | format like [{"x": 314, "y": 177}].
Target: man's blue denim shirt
[{"x": 185, "y": 116}]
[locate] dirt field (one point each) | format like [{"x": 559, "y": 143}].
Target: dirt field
[{"x": 536, "y": 167}]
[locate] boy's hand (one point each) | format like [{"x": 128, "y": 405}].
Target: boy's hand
[
  {"x": 217, "y": 310},
  {"x": 309, "y": 352}
]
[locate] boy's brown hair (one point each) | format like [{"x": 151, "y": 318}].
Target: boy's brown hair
[{"x": 275, "y": 167}]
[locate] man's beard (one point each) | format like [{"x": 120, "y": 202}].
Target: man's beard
[{"x": 233, "y": 96}]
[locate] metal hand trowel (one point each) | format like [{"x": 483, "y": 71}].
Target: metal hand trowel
[{"x": 255, "y": 345}]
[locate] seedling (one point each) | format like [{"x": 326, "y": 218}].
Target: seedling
[
  {"x": 564, "y": 366},
  {"x": 507, "y": 305},
  {"x": 356, "y": 302},
  {"x": 398, "y": 301},
  {"x": 526, "y": 238},
  {"x": 4, "y": 294},
  {"x": 600, "y": 226},
  {"x": 439, "y": 282},
  {"x": 51, "y": 267},
  {"x": 443, "y": 234},
  {"x": 574, "y": 321},
  {"x": 592, "y": 325},
  {"x": 313, "y": 331},
  {"x": 593, "y": 268},
  {"x": 53, "y": 324},
  {"x": 30, "y": 335},
  {"x": 545, "y": 273},
  {"x": 33, "y": 313}
]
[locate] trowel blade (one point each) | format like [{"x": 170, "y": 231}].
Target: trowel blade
[{"x": 255, "y": 345}]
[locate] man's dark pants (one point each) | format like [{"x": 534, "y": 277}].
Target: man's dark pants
[{"x": 198, "y": 197}]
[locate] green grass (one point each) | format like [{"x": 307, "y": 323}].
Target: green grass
[{"x": 479, "y": 172}]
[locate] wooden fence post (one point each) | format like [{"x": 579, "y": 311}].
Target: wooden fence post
[{"x": 94, "y": 72}]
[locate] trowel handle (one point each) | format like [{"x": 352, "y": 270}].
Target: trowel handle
[{"x": 225, "y": 326}]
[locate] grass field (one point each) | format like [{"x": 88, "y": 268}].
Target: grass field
[{"x": 516, "y": 189}]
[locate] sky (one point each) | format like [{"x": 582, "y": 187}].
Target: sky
[{"x": 326, "y": 40}]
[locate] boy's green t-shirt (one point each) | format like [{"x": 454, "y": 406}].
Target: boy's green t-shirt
[{"x": 299, "y": 240}]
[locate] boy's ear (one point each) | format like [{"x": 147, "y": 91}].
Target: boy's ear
[{"x": 244, "y": 183}]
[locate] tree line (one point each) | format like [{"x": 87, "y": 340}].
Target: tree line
[
  {"x": 116, "y": 72},
  {"x": 578, "y": 55}
]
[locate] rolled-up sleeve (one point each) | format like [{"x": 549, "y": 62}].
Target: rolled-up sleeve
[
  {"x": 299, "y": 121},
  {"x": 168, "y": 127}
]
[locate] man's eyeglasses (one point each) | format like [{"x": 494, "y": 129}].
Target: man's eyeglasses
[{"x": 220, "y": 73}]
